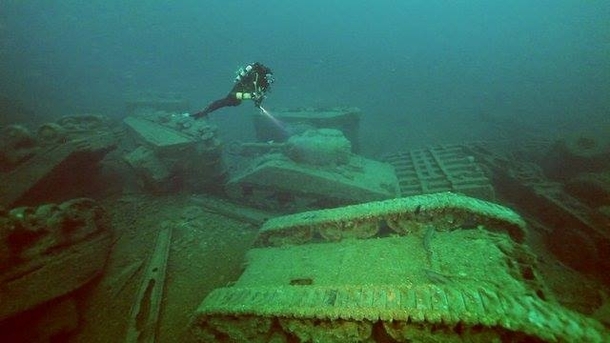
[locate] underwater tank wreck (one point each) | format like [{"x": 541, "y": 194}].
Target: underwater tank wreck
[{"x": 444, "y": 243}]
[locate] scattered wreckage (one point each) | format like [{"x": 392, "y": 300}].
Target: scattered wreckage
[
  {"x": 34, "y": 166},
  {"x": 436, "y": 264},
  {"x": 175, "y": 152},
  {"x": 46, "y": 253},
  {"x": 315, "y": 169}
]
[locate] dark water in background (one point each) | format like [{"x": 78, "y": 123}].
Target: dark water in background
[{"x": 422, "y": 71}]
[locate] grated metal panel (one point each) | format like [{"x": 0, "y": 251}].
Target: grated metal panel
[{"x": 440, "y": 169}]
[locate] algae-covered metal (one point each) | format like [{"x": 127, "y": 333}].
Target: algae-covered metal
[
  {"x": 427, "y": 313},
  {"x": 313, "y": 170},
  {"x": 440, "y": 168},
  {"x": 174, "y": 152},
  {"x": 444, "y": 211},
  {"x": 436, "y": 281},
  {"x": 40, "y": 167}
]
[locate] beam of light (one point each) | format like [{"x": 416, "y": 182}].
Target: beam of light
[{"x": 273, "y": 119}]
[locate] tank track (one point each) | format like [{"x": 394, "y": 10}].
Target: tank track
[
  {"x": 406, "y": 312},
  {"x": 443, "y": 168},
  {"x": 526, "y": 185},
  {"x": 411, "y": 215},
  {"x": 439, "y": 285}
]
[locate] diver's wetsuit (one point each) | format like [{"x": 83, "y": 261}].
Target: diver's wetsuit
[{"x": 252, "y": 82}]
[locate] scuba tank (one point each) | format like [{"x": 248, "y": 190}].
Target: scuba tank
[{"x": 242, "y": 71}]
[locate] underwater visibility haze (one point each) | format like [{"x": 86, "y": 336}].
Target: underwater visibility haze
[
  {"x": 429, "y": 66},
  {"x": 172, "y": 199}
]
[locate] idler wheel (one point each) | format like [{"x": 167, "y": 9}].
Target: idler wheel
[
  {"x": 293, "y": 237},
  {"x": 403, "y": 226},
  {"x": 339, "y": 231}
]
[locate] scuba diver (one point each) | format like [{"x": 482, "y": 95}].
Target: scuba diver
[{"x": 251, "y": 83}]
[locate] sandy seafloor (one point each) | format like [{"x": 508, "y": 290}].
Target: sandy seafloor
[{"x": 207, "y": 251}]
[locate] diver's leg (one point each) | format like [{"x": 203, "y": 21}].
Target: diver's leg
[{"x": 229, "y": 100}]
